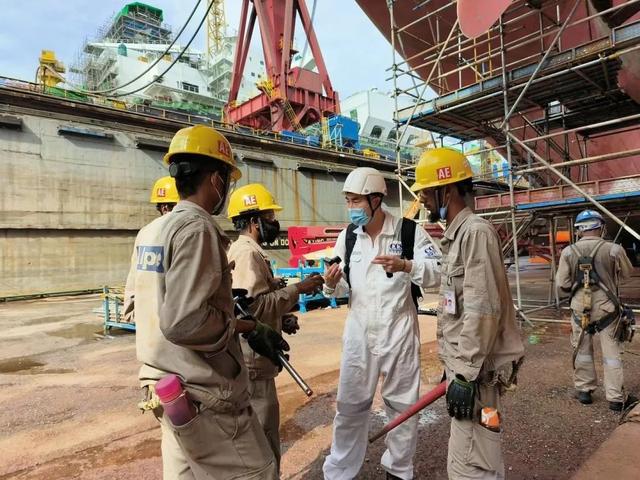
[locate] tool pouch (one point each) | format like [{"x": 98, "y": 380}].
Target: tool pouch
[{"x": 624, "y": 330}]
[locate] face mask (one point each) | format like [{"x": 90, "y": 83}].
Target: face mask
[
  {"x": 359, "y": 216},
  {"x": 269, "y": 231},
  {"x": 221, "y": 195}
]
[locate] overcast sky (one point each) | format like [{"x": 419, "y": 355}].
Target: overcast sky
[{"x": 356, "y": 54}]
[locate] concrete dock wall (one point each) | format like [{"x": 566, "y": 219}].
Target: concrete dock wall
[{"x": 72, "y": 203}]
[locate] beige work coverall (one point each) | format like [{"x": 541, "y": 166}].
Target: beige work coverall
[
  {"x": 185, "y": 325},
  {"x": 613, "y": 267},
  {"x": 478, "y": 338},
  {"x": 253, "y": 272}
]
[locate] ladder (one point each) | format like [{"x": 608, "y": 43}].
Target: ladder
[
  {"x": 273, "y": 94},
  {"x": 326, "y": 137}
]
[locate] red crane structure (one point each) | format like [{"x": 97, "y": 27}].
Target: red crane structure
[{"x": 290, "y": 98}]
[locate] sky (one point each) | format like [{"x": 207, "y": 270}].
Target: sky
[{"x": 355, "y": 53}]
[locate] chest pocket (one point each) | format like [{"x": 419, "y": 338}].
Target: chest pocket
[{"x": 451, "y": 289}]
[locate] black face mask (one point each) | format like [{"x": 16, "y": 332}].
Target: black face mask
[{"x": 269, "y": 230}]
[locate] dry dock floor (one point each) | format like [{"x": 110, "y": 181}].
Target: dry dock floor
[{"x": 68, "y": 399}]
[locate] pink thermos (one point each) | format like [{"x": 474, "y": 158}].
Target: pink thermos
[{"x": 175, "y": 403}]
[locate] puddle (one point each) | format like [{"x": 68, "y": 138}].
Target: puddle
[
  {"x": 85, "y": 331},
  {"x": 543, "y": 334},
  {"x": 427, "y": 416},
  {"x": 20, "y": 364}
]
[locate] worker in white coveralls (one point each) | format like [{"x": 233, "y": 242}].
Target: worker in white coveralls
[
  {"x": 596, "y": 308},
  {"x": 186, "y": 324},
  {"x": 252, "y": 209},
  {"x": 478, "y": 337},
  {"x": 382, "y": 257},
  {"x": 164, "y": 195}
]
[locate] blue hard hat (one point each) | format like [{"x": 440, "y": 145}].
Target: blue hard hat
[
  {"x": 586, "y": 215},
  {"x": 589, "y": 220}
]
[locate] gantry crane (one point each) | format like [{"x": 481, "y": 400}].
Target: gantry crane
[{"x": 290, "y": 97}]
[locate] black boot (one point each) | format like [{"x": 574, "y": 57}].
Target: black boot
[
  {"x": 391, "y": 476},
  {"x": 620, "y": 406},
  {"x": 584, "y": 398}
]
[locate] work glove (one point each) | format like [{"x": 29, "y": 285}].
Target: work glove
[
  {"x": 290, "y": 324},
  {"x": 265, "y": 341},
  {"x": 460, "y": 398}
]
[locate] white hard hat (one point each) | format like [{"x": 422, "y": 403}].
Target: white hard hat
[{"x": 365, "y": 181}]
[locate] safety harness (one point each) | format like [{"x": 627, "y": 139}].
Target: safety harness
[
  {"x": 407, "y": 239},
  {"x": 586, "y": 278}
]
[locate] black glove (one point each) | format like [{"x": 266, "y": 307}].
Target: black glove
[
  {"x": 290, "y": 324},
  {"x": 265, "y": 341},
  {"x": 460, "y": 398},
  {"x": 241, "y": 302}
]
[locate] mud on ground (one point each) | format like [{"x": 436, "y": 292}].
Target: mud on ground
[{"x": 68, "y": 395}]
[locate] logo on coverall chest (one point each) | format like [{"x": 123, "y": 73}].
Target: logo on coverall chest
[
  {"x": 150, "y": 258},
  {"x": 395, "y": 248}
]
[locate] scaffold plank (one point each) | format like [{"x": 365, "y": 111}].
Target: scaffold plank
[{"x": 540, "y": 198}]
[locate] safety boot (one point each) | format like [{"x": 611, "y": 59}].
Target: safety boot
[
  {"x": 620, "y": 406},
  {"x": 391, "y": 476},
  {"x": 584, "y": 397}
]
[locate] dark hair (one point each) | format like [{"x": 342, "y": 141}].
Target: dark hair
[
  {"x": 160, "y": 205},
  {"x": 242, "y": 222},
  {"x": 465, "y": 186},
  {"x": 188, "y": 185}
]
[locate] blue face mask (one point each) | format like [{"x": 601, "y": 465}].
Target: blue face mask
[
  {"x": 359, "y": 216},
  {"x": 443, "y": 212}
]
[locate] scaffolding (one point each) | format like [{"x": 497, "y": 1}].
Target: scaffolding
[{"x": 538, "y": 98}]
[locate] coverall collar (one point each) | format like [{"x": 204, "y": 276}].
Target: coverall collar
[
  {"x": 388, "y": 227},
  {"x": 247, "y": 240},
  {"x": 187, "y": 205},
  {"x": 450, "y": 232}
]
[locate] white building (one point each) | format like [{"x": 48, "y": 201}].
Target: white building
[{"x": 374, "y": 111}]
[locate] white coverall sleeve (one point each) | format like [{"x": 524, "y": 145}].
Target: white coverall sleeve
[
  {"x": 425, "y": 267},
  {"x": 342, "y": 288}
]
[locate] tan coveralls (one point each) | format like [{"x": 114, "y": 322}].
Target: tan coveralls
[
  {"x": 478, "y": 338},
  {"x": 613, "y": 267},
  {"x": 185, "y": 325},
  {"x": 253, "y": 273}
]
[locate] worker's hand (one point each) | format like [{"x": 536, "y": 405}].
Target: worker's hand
[
  {"x": 279, "y": 282},
  {"x": 392, "y": 263},
  {"x": 332, "y": 275},
  {"x": 311, "y": 284},
  {"x": 265, "y": 341},
  {"x": 290, "y": 324},
  {"x": 460, "y": 398}
]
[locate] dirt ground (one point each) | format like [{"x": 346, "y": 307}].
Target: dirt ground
[{"x": 68, "y": 400}]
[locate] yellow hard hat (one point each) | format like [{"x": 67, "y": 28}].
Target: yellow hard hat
[
  {"x": 206, "y": 141},
  {"x": 165, "y": 191},
  {"x": 251, "y": 198},
  {"x": 441, "y": 166}
]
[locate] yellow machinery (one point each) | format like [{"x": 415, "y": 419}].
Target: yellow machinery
[{"x": 50, "y": 69}]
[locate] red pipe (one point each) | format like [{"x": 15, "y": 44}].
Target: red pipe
[{"x": 425, "y": 400}]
